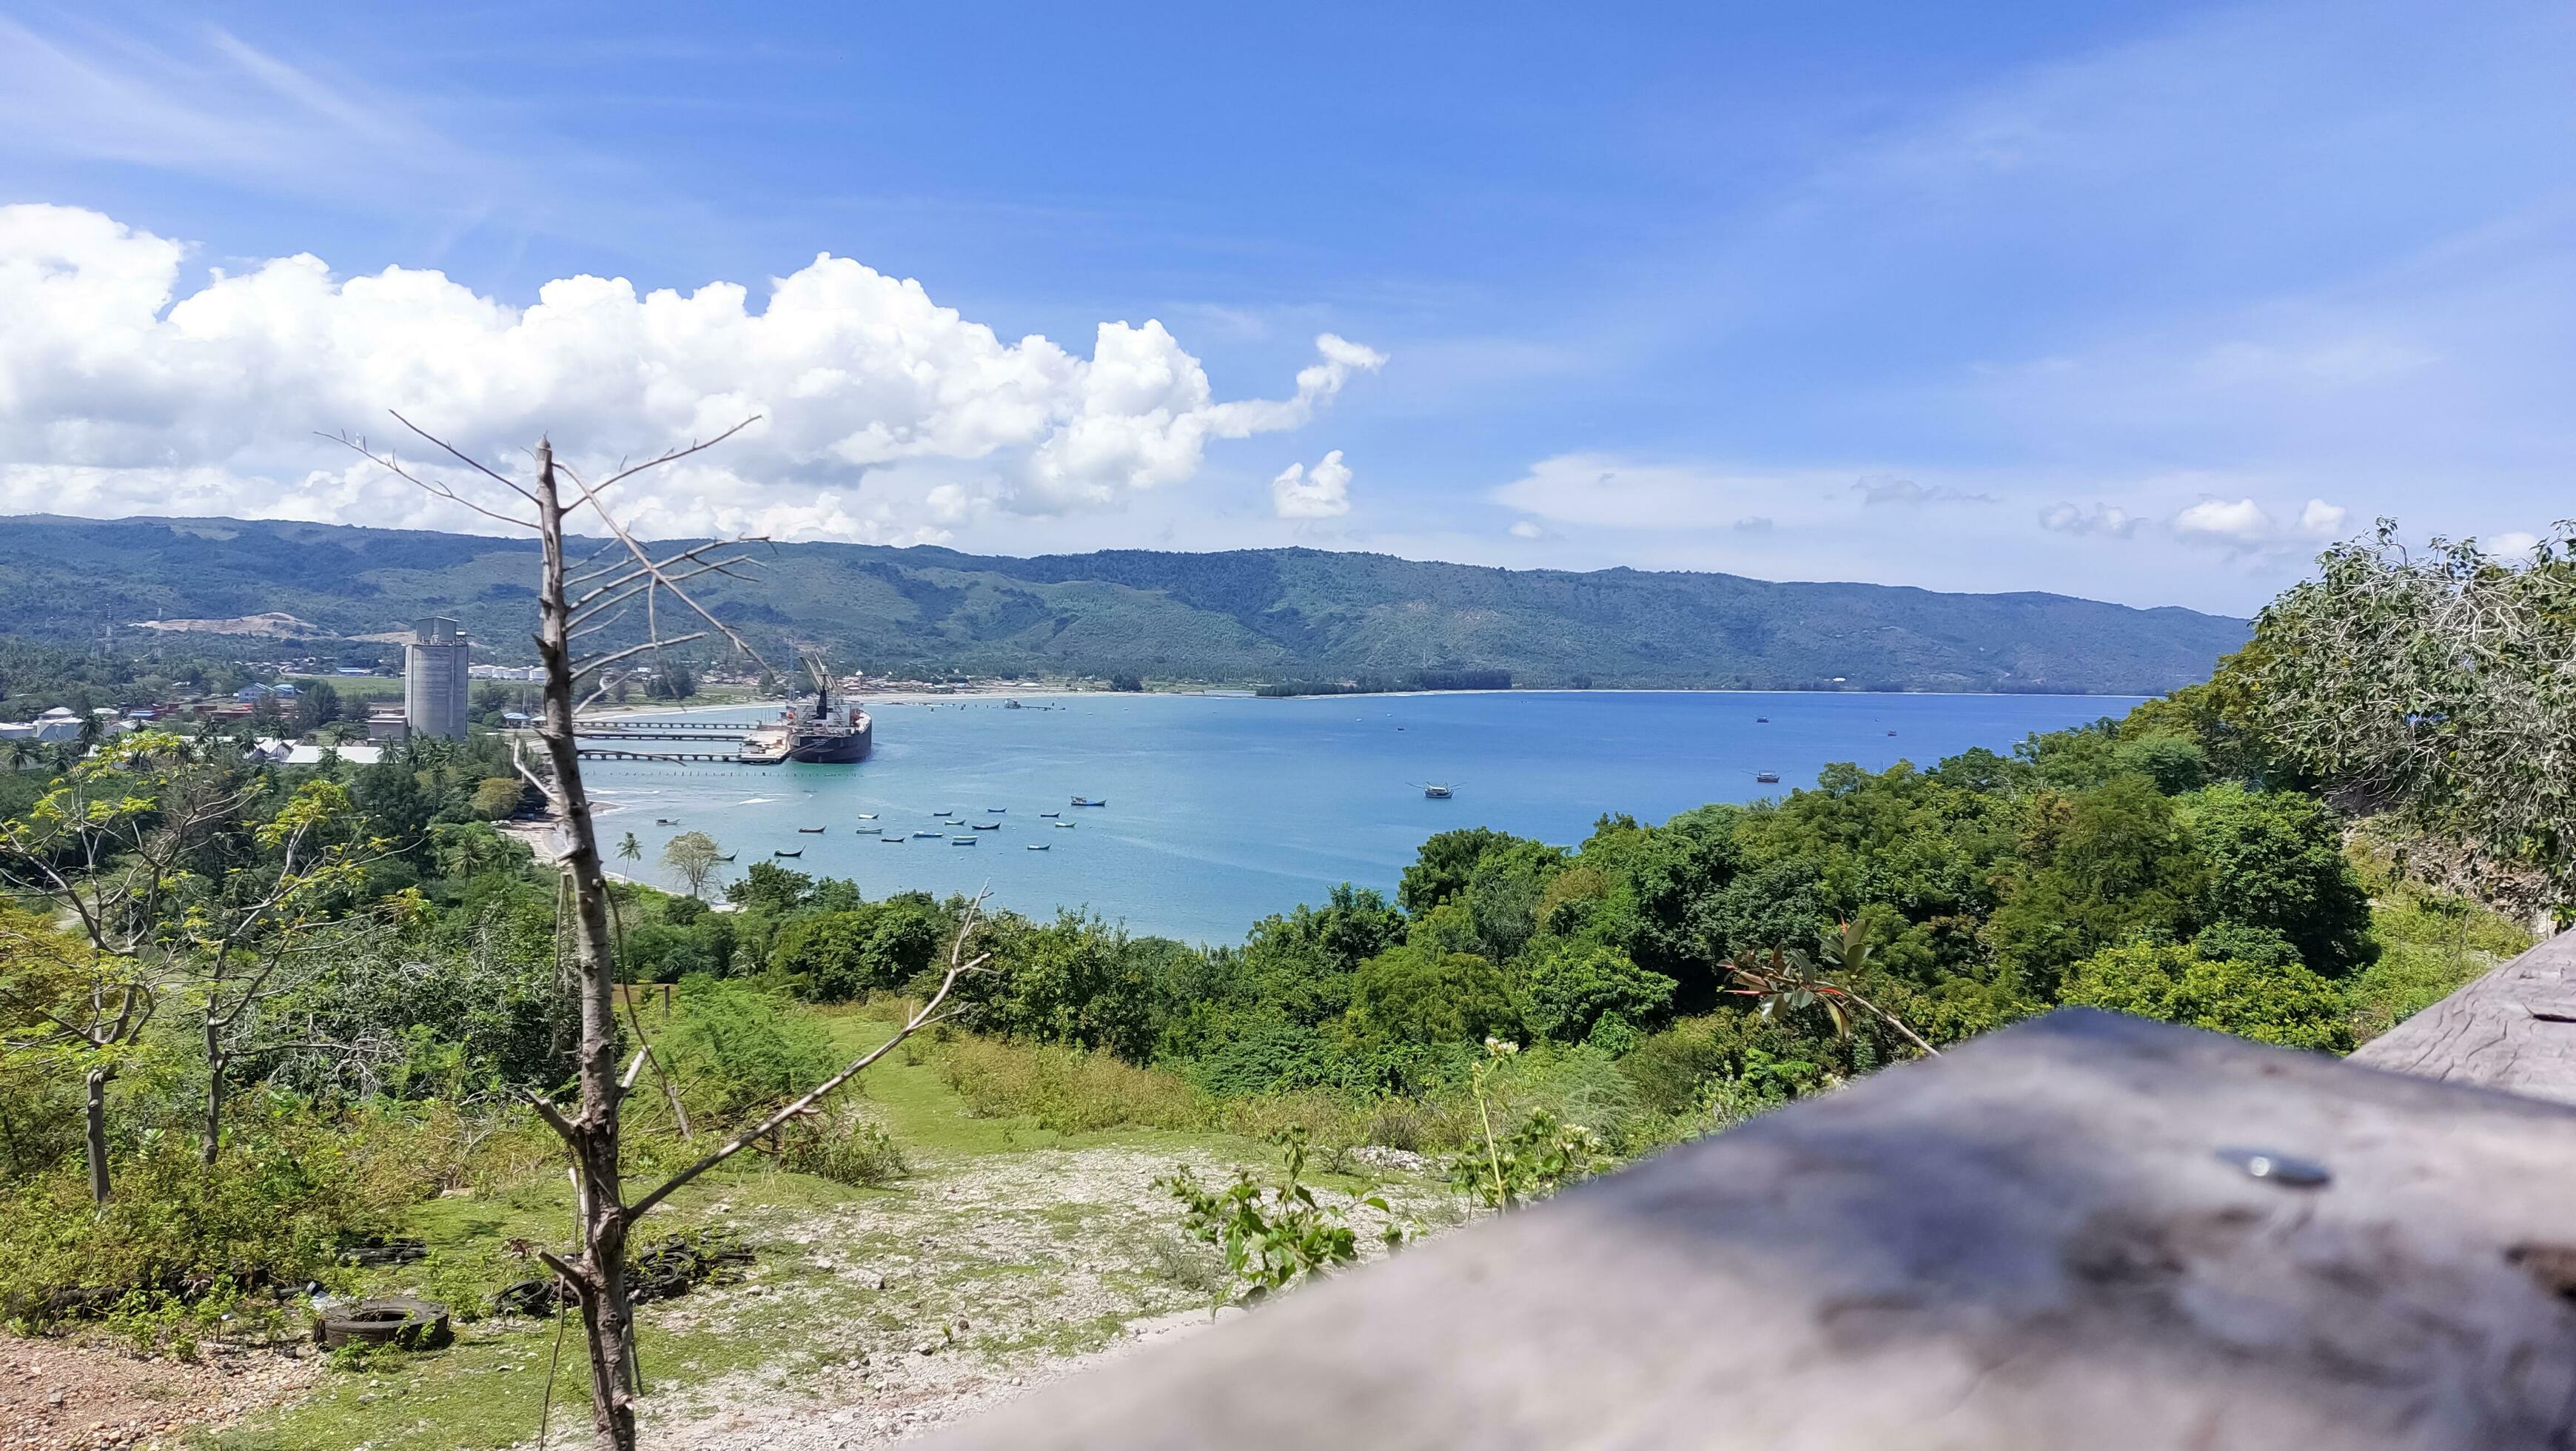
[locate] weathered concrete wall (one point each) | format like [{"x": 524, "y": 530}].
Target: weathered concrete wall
[
  {"x": 2032, "y": 1244},
  {"x": 2513, "y": 1029}
]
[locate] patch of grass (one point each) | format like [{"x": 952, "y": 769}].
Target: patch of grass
[
  {"x": 2430, "y": 944},
  {"x": 1069, "y": 1090}
]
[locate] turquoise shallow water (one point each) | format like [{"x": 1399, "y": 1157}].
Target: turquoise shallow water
[{"x": 1224, "y": 809}]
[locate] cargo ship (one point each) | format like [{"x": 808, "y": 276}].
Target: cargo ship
[{"x": 828, "y": 734}]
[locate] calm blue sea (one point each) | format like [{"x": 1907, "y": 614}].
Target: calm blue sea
[{"x": 1224, "y": 809}]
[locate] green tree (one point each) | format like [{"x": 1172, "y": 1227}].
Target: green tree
[
  {"x": 2098, "y": 867},
  {"x": 1443, "y": 864},
  {"x": 694, "y": 856},
  {"x": 2271, "y": 1002},
  {"x": 2439, "y": 681},
  {"x": 1576, "y": 988},
  {"x": 1408, "y": 997},
  {"x": 497, "y": 797},
  {"x": 2275, "y": 860},
  {"x": 837, "y": 956}
]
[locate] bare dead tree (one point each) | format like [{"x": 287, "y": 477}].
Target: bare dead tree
[{"x": 580, "y": 602}]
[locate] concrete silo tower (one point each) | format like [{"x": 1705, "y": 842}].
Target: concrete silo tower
[{"x": 434, "y": 680}]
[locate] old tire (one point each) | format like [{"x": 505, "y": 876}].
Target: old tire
[{"x": 396, "y": 1320}]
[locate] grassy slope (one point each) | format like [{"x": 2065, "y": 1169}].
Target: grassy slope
[
  {"x": 1244, "y": 615},
  {"x": 486, "y": 1390}
]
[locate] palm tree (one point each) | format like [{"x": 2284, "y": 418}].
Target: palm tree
[{"x": 629, "y": 849}]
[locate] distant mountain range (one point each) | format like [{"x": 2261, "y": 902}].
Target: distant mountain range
[{"x": 1241, "y": 616}]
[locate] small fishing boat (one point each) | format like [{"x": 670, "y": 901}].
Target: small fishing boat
[
  {"x": 800, "y": 851},
  {"x": 867, "y": 816},
  {"x": 927, "y": 833},
  {"x": 1064, "y": 826},
  {"x": 893, "y": 840},
  {"x": 1762, "y": 720},
  {"x": 871, "y": 831},
  {"x": 1767, "y": 778},
  {"x": 674, "y": 821},
  {"x": 1040, "y": 845},
  {"x": 810, "y": 830},
  {"x": 1050, "y": 815},
  {"x": 952, "y": 811},
  {"x": 1087, "y": 801},
  {"x": 998, "y": 810},
  {"x": 1891, "y": 733},
  {"x": 987, "y": 826},
  {"x": 1437, "y": 792},
  {"x": 728, "y": 856},
  {"x": 962, "y": 841}
]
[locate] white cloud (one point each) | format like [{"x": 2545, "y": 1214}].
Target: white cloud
[
  {"x": 1890, "y": 489},
  {"x": 1528, "y": 529},
  {"x": 118, "y": 390},
  {"x": 2107, "y": 519},
  {"x": 2242, "y": 523},
  {"x": 1323, "y": 492},
  {"x": 2322, "y": 519}
]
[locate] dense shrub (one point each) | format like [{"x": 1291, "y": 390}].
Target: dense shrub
[
  {"x": 274, "y": 1213},
  {"x": 1069, "y": 1090},
  {"x": 2274, "y": 1001},
  {"x": 739, "y": 1052}
]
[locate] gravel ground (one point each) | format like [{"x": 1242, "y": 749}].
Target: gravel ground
[
  {"x": 62, "y": 1394},
  {"x": 979, "y": 1285}
]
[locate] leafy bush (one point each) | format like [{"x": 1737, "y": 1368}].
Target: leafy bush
[
  {"x": 2271, "y": 1002},
  {"x": 1271, "y": 1235},
  {"x": 742, "y": 1052},
  {"x": 860, "y": 1154},
  {"x": 179, "y": 1238}
]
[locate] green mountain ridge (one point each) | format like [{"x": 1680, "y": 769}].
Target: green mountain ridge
[{"x": 1243, "y": 615}]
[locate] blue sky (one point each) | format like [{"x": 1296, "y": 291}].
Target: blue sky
[{"x": 2137, "y": 302}]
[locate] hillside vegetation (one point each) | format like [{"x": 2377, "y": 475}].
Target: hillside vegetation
[{"x": 1243, "y": 616}]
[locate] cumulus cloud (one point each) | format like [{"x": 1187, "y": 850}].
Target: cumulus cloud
[
  {"x": 2107, "y": 519},
  {"x": 119, "y": 388},
  {"x": 2322, "y": 519},
  {"x": 2242, "y": 523},
  {"x": 1323, "y": 492},
  {"x": 1528, "y": 529}
]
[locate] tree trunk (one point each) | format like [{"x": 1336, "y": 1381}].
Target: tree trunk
[
  {"x": 96, "y": 1113},
  {"x": 606, "y": 1314},
  {"x": 216, "y": 1061}
]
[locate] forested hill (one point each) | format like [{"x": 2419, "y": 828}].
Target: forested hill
[{"x": 1249, "y": 615}]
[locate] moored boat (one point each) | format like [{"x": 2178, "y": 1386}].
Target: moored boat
[
  {"x": 800, "y": 851},
  {"x": 1087, "y": 801},
  {"x": 1767, "y": 778}
]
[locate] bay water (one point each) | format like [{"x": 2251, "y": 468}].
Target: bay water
[{"x": 1223, "y": 809}]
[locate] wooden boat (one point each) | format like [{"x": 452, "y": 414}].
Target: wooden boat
[
  {"x": 897, "y": 840},
  {"x": 1064, "y": 826},
  {"x": 871, "y": 831},
  {"x": 728, "y": 856},
  {"x": 1437, "y": 792},
  {"x": 1040, "y": 845},
  {"x": 998, "y": 810},
  {"x": 800, "y": 851},
  {"x": 1767, "y": 778},
  {"x": 961, "y": 841},
  {"x": 1087, "y": 801},
  {"x": 1762, "y": 720},
  {"x": 1050, "y": 815},
  {"x": 811, "y": 830},
  {"x": 987, "y": 826},
  {"x": 927, "y": 833},
  {"x": 867, "y": 816}
]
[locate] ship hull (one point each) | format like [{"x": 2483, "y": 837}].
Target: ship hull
[{"x": 839, "y": 748}]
